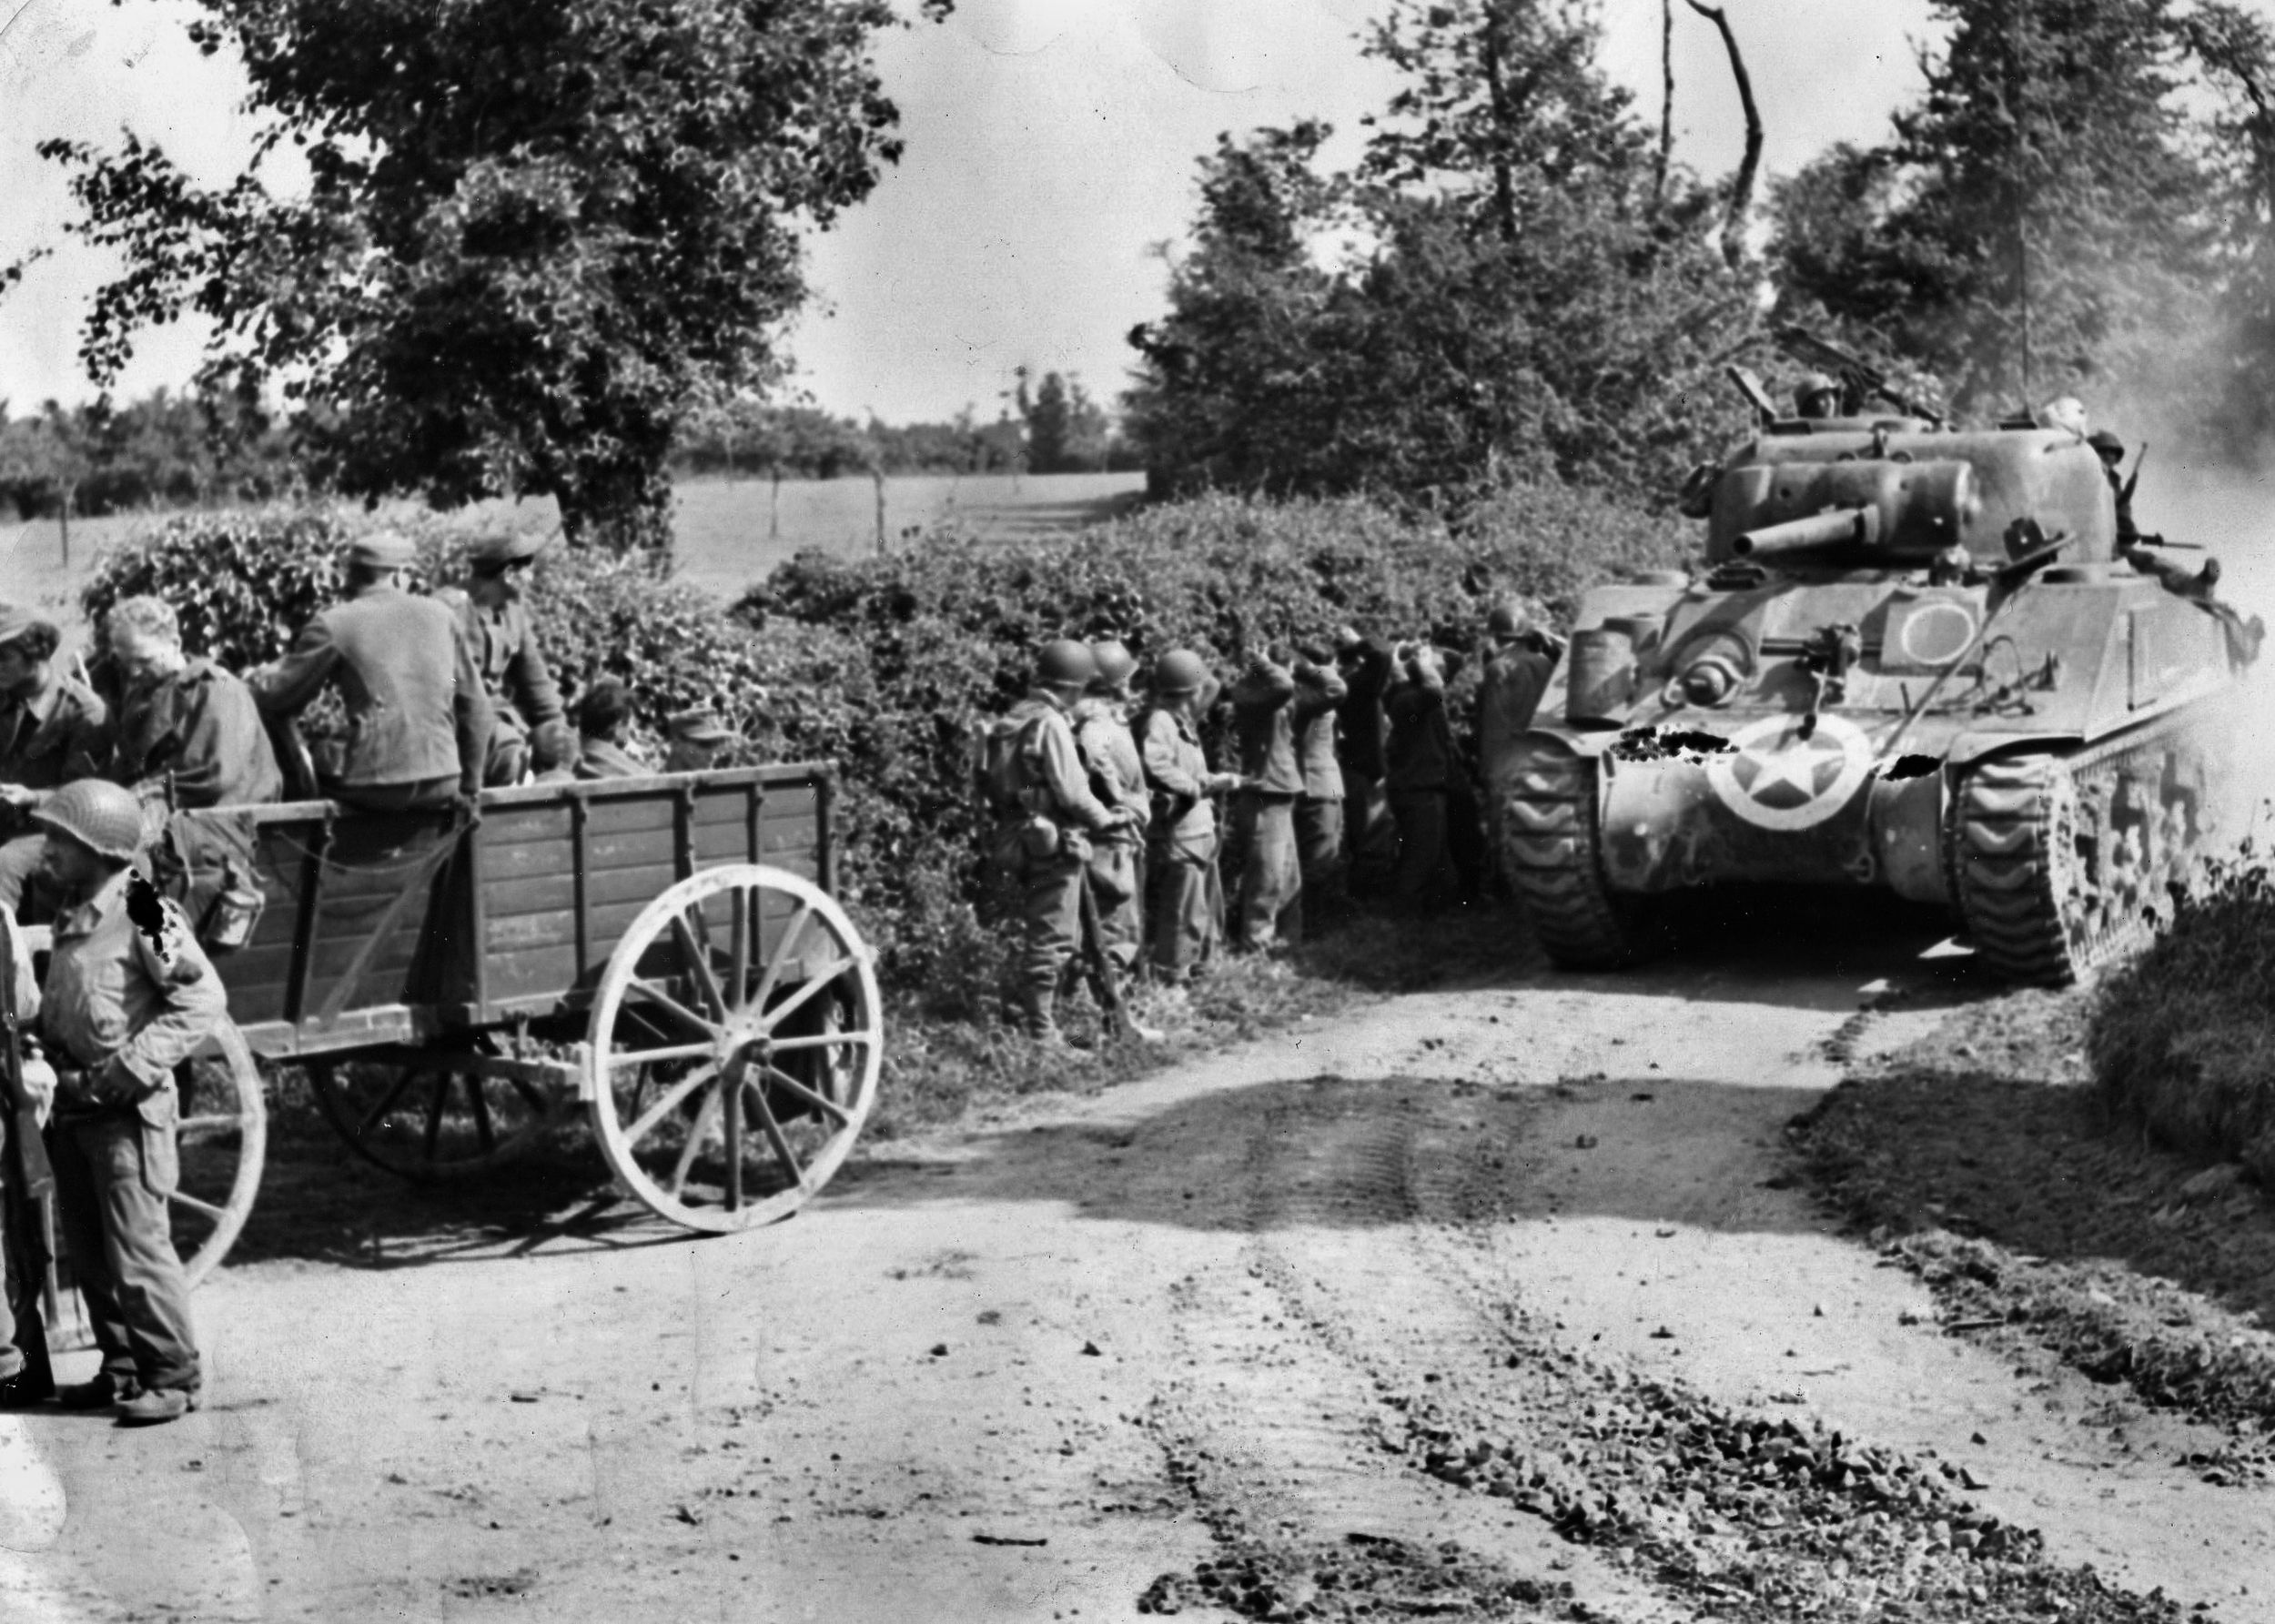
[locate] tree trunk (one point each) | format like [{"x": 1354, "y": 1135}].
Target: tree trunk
[
  {"x": 774, "y": 507},
  {"x": 619, "y": 514},
  {"x": 1666, "y": 102},
  {"x": 877, "y": 474},
  {"x": 1742, "y": 186},
  {"x": 63, "y": 519},
  {"x": 1504, "y": 184}
]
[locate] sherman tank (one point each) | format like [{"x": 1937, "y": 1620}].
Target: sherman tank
[{"x": 1916, "y": 657}]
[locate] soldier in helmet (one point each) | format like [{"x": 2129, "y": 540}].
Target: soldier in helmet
[
  {"x": 52, "y": 730},
  {"x": 1268, "y": 910},
  {"x": 1187, "y": 905},
  {"x": 1818, "y": 395},
  {"x": 1046, "y": 817},
  {"x": 2112, "y": 450},
  {"x": 1118, "y": 778},
  {"x": 1321, "y": 692},
  {"x": 129, "y": 996}
]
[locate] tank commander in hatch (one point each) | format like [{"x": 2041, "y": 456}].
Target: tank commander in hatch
[{"x": 1818, "y": 396}]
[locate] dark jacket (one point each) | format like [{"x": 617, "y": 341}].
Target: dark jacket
[
  {"x": 1419, "y": 751},
  {"x": 1367, "y": 673},
  {"x": 417, "y": 709},
  {"x": 58, "y": 735},
  {"x": 1515, "y": 678},
  {"x": 598, "y": 758},
  {"x": 201, "y": 730},
  {"x": 503, "y": 644},
  {"x": 1263, "y": 724}
]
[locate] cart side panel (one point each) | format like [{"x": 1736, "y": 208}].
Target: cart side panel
[
  {"x": 361, "y": 913},
  {"x": 565, "y": 871}
]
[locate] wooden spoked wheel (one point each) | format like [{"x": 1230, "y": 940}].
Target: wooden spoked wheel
[
  {"x": 221, "y": 1141},
  {"x": 435, "y": 1114},
  {"x": 734, "y": 1047}
]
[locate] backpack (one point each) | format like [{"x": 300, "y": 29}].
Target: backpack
[{"x": 999, "y": 761}]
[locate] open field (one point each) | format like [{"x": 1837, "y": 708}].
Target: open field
[{"x": 728, "y": 534}]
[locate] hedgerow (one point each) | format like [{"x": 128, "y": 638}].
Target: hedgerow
[{"x": 887, "y": 665}]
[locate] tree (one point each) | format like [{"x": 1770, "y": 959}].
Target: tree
[
  {"x": 1065, "y": 429},
  {"x": 2036, "y": 222},
  {"x": 1524, "y": 295},
  {"x": 534, "y": 232}
]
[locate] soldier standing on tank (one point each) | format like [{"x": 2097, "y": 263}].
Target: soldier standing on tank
[
  {"x": 1518, "y": 663},
  {"x": 52, "y": 731},
  {"x": 129, "y": 996},
  {"x": 1369, "y": 838},
  {"x": 1118, "y": 778},
  {"x": 1321, "y": 692},
  {"x": 1267, "y": 906},
  {"x": 419, "y": 716},
  {"x": 531, "y": 729},
  {"x": 1419, "y": 767},
  {"x": 1046, "y": 817},
  {"x": 1188, "y": 902},
  {"x": 1818, "y": 395}
]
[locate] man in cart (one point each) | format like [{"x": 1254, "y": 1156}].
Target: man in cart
[
  {"x": 529, "y": 731},
  {"x": 51, "y": 731},
  {"x": 129, "y": 996},
  {"x": 418, "y": 717}
]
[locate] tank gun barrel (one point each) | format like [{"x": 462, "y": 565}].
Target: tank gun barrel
[{"x": 1836, "y": 527}]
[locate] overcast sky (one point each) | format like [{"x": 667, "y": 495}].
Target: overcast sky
[{"x": 1050, "y": 148}]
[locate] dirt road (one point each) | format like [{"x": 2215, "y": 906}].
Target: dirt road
[{"x": 1254, "y": 1306}]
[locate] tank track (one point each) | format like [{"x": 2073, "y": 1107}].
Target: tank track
[
  {"x": 1549, "y": 831},
  {"x": 2061, "y": 861}
]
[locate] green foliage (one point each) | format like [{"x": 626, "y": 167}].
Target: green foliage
[
  {"x": 1067, "y": 431},
  {"x": 532, "y": 232},
  {"x": 1523, "y": 297},
  {"x": 2181, "y": 1041},
  {"x": 165, "y": 450}
]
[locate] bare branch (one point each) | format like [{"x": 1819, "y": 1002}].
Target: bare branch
[
  {"x": 1742, "y": 186},
  {"x": 1667, "y": 101}
]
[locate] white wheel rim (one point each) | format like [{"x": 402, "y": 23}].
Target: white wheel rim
[
  {"x": 739, "y": 1036},
  {"x": 249, "y": 1118}
]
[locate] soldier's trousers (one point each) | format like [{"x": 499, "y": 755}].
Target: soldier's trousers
[
  {"x": 1368, "y": 834},
  {"x": 1186, "y": 906},
  {"x": 1425, "y": 878},
  {"x": 1320, "y": 847},
  {"x": 1050, "y": 934},
  {"x": 114, "y": 1173},
  {"x": 1117, "y": 883},
  {"x": 1270, "y": 902}
]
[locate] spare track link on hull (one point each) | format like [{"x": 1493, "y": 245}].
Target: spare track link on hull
[
  {"x": 1549, "y": 846},
  {"x": 2059, "y": 859}
]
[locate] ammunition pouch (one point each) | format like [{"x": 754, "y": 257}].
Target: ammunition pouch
[{"x": 203, "y": 862}]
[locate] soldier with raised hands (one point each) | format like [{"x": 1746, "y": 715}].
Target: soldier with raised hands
[
  {"x": 1268, "y": 909},
  {"x": 1032, "y": 776},
  {"x": 1188, "y": 905}
]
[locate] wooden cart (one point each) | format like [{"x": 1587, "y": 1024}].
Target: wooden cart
[{"x": 666, "y": 952}]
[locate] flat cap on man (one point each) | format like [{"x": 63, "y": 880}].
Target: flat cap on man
[
  {"x": 383, "y": 549},
  {"x": 699, "y": 726},
  {"x": 497, "y": 551}
]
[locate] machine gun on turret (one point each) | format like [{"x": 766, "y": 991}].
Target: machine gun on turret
[{"x": 1860, "y": 381}]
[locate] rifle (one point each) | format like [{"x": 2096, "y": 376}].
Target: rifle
[
  {"x": 1102, "y": 983},
  {"x": 1858, "y": 378},
  {"x": 2125, "y": 495}
]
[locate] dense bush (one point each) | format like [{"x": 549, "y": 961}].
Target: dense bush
[{"x": 2182, "y": 1041}]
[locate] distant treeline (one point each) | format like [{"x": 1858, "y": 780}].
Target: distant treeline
[{"x": 182, "y": 450}]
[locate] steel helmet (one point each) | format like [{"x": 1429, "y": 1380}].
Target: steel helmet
[
  {"x": 2108, "y": 444},
  {"x": 1114, "y": 660},
  {"x": 1180, "y": 671},
  {"x": 1813, "y": 386},
  {"x": 100, "y": 815},
  {"x": 1508, "y": 618},
  {"x": 1065, "y": 663}
]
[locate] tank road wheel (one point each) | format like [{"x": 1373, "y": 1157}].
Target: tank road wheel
[
  {"x": 1551, "y": 828},
  {"x": 435, "y": 1114},
  {"x": 221, "y": 1141},
  {"x": 734, "y": 1048}
]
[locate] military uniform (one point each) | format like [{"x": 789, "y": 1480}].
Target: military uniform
[
  {"x": 26, "y": 1376},
  {"x": 1042, "y": 841},
  {"x": 47, "y": 741},
  {"x": 604, "y": 758},
  {"x": 1187, "y": 907},
  {"x": 529, "y": 726},
  {"x": 1118, "y": 778},
  {"x": 196, "y": 735},
  {"x": 1269, "y": 905},
  {"x": 418, "y": 717},
  {"x": 1418, "y": 768},
  {"x": 1369, "y": 836},
  {"x": 1320, "y": 693},
  {"x": 130, "y": 995}
]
